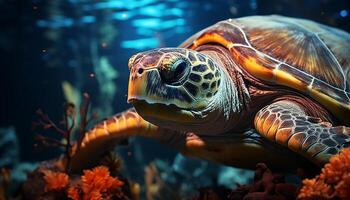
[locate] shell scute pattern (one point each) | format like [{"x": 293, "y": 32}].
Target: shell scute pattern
[
  {"x": 300, "y": 54},
  {"x": 307, "y": 50}
]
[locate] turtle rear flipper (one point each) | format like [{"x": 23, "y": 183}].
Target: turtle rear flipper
[{"x": 286, "y": 123}]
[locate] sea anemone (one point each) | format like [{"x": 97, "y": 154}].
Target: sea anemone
[
  {"x": 55, "y": 180},
  {"x": 333, "y": 182}
]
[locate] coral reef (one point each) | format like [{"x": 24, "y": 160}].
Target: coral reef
[
  {"x": 266, "y": 185},
  {"x": 54, "y": 180},
  {"x": 333, "y": 182},
  {"x": 49, "y": 181}
]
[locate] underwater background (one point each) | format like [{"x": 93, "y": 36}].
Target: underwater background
[{"x": 52, "y": 51}]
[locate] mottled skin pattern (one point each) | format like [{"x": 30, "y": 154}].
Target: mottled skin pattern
[
  {"x": 203, "y": 73},
  {"x": 257, "y": 89},
  {"x": 288, "y": 125}
]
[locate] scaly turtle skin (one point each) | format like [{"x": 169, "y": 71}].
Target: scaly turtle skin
[{"x": 267, "y": 89}]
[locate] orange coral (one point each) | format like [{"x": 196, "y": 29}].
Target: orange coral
[
  {"x": 73, "y": 193},
  {"x": 95, "y": 195},
  {"x": 55, "y": 180},
  {"x": 343, "y": 187},
  {"x": 97, "y": 182},
  {"x": 337, "y": 167},
  {"x": 334, "y": 180},
  {"x": 315, "y": 189}
]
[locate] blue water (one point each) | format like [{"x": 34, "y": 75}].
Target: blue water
[{"x": 51, "y": 48}]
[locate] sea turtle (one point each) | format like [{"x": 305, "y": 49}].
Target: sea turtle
[{"x": 267, "y": 89}]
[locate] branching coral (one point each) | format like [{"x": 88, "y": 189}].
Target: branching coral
[
  {"x": 333, "y": 182},
  {"x": 66, "y": 127},
  {"x": 54, "y": 180}
]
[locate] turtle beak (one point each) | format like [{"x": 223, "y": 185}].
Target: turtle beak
[
  {"x": 137, "y": 83},
  {"x": 143, "y": 73}
]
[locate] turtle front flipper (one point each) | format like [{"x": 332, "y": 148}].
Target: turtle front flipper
[
  {"x": 105, "y": 135},
  {"x": 286, "y": 123}
]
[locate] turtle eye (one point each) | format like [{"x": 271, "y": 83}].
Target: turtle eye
[
  {"x": 180, "y": 68},
  {"x": 175, "y": 74}
]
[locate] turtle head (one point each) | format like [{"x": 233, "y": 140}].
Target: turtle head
[{"x": 175, "y": 88}]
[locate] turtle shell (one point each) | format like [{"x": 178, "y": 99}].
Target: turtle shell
[{"x": 311, "y": 58}]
